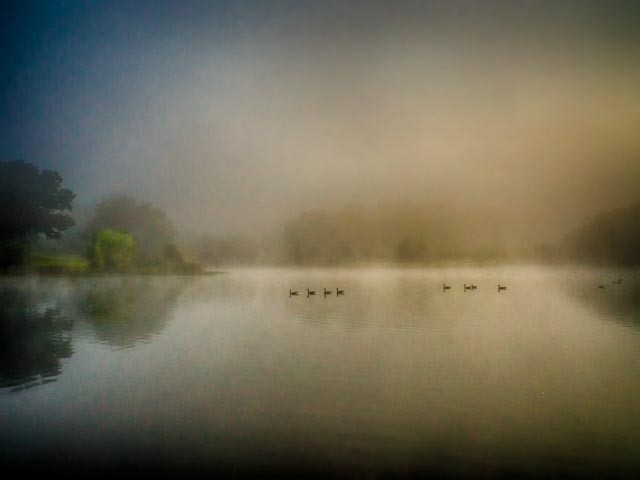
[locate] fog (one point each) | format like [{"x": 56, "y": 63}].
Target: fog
[{"x": 237, "y": 117}]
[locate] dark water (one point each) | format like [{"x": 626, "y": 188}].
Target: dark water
[{"x": 228, "y": 374}]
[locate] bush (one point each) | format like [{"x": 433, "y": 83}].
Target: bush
[{"x": 112, "y": 250}]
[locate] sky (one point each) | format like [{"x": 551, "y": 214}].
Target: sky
[{"x": 235, "y": 116}]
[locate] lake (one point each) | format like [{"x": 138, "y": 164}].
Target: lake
[{"x": 228, "y": 373}]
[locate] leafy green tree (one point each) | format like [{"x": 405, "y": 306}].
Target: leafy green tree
[
  {"x": 112, "y": 250},
  {"x": 32, "y": 203},
  {"x": 149, "y": 225}
]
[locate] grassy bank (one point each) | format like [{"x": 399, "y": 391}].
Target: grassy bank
[
  {"x": 59, "y": 263},
  {"x": 72, "y": 264}
]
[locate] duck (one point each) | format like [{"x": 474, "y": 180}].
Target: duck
[
  {"x": 501, "y": 287},
  {"x": 292, "y": 293},
  {"x": 310, "y": 292},
  {"x": 601, "y": 286},
  {"x": 467, "y": 287},
  {"x": 446, "y": 287},
  {"x": 339, "y": 292},
  {"x": 473, "y": 287},
  {"x": 327, "y": 292}
]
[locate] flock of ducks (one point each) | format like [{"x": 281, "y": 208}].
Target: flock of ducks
[
  {"x": 294, "y": 293},
  {"x": 615, "y": 282},
  {"x": 325, "y": 292},
  {"x": 446, "y": 287}
]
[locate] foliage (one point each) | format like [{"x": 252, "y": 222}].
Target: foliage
[
  {"x": 611, "y": 237},
  {"x": 112, "y": 250},
  {"x": 58, "y": 263},
  {"x": 32, "y": 202},
  {"x": 172, "y": 254},
  {"x": 394, "y": 234},
  {"x": 149, "y": 225},
  {"x": 172, "y": 262}
]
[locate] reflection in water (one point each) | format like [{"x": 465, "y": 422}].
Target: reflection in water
[
  {"x": 129, "y": 311},
  {"x": 33, "y": 339},
  {"x": 38, "y": 322},
  {"x": 395, "y": 376},
  {"x": 617, "y": 302}
]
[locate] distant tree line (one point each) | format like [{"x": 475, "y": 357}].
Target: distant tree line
[
  {"x": 124, "y": 234},
  {"x": 405, "y": 235},
  {"x": 609, "y": 238},
  {"x": 398, "y": 234},
  {"x": 394, "y": 234}
]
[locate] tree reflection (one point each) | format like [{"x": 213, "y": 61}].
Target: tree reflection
[
  {"x": 617, "y": 302},
  {"x": 33, "y": 339},
  {"x": 129, "y": 312}
]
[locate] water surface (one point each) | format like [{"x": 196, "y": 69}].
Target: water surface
[{"x": 396, "y": 377}]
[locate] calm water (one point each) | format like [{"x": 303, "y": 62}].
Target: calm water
[{"x": 397, "y": 377}]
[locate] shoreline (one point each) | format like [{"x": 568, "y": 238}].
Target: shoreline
[{"x": 106, "y": 274}]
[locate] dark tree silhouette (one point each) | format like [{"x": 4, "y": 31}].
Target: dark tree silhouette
[
  {"x": 32, "y": 203},
  {"x": 609, "y": 238}
]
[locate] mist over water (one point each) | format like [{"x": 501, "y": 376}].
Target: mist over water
[{"x": 230, "y": 373}]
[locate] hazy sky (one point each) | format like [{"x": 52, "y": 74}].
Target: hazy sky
[{"x": 237, "y": 115}]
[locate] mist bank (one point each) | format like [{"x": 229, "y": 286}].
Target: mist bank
[
  {"x": 412, "y": 235},
  {"x": 124, "y": 234}
]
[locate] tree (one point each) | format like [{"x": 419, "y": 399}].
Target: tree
[
  {"x": 172, "y": 254},
  {"x": 149, "y": 225},
  {"x": 32, "y": 203},
  {"x": 610, "y": 237},
  {"x": 112, "y": 250}
]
